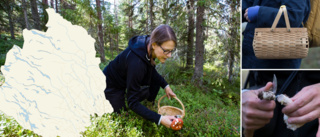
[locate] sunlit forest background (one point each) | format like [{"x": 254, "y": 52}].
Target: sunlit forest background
[{"x": 204, "y": 71}]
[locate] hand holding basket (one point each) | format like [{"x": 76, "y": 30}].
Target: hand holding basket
[{"x": 170, "y": 110}]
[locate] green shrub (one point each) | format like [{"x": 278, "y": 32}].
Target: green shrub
[
  {"x": 10, "y": 128},
  {"x": 206, "y": 115}
]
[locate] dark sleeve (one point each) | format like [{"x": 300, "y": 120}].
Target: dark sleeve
[
  {"x": 135, "y": 73},
  {"x": 157, "y": 77},
  {"x": 296, "y": 13}
]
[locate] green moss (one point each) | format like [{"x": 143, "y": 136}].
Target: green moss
[{"x": 206, "y": 115}]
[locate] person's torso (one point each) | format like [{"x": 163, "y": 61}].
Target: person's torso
[{"x": 116, "y": 71}]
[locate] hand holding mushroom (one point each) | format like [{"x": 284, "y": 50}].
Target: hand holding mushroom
[
  {"x": 256, "y": 113},
  {"x": 305, "y": 106}
]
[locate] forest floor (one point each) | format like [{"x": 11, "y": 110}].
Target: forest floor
[{"x": 212, "y": 109}]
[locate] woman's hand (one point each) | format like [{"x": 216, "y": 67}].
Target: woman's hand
[
  {"x": 169, "y": 92},
  {"x": 167, "y": 120},
  {"x": 246, "y": 15},
  {"x": 255, "y": 112},
  {"x": 305, "y": 106}
]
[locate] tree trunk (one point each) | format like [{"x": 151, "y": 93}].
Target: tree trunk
[
  {"x": 230, "y": 64},
  {"x": 35, "y": 14},
  {"x": 151, "y": 16},
  {"x": 167, "y": 17},
  {"x": 198, "y": 70},
  {"x": 45, "y": 2},
  {"x": 44, "y": 15},
  {"x": 10, "y": 10},
  {"x": 25, "y": 14},
  {"x": 147, "y": 20},
  {"x": 57, "y": 11},
  {"x": 51, "y": 4},
  {"x": 232, "y": 42},
  {"x": 100, "y": 33},
  {"x": 117, "y": 31},
  {"x": 130, "y": 15},
  {"x": 111, "y": 47},
  {"x": 190, "y": 40}
]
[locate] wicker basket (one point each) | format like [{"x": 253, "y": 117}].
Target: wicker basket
[
  {"x": 281, "y": 43},
  {"x": 169, "y": 110}
]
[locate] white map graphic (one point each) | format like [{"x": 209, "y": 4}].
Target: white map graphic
[{"x": 54, "y": 82}]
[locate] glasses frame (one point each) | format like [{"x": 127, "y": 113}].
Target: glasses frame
[{"x": 166, "y": 52}]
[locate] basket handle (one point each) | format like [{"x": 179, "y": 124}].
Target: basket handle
[
  {"x": 184, "y": 111},
  {"x": 276, "y": 20}
]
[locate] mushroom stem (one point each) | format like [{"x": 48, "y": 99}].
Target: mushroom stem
[{"x": 285, "y": 100}]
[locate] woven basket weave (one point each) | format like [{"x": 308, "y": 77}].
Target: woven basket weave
[
  {"x": 281, "y": 43},
  {"x": 170, "y": 110}
]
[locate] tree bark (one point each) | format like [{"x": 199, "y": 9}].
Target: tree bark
[
  {"x": 198, "y": 70},
  {"x": 45, "y": 2},
  {"x": 230, "y": 64},
  {"x": 151, "y": 16},
  {"x": 57, "y": 11},
  {"x": 51, "y": 4},
  {"x": 167, "y": 17},
  {"x": 45, "y": 17},
  {"x": 130, "y": 14},
  {"x": 25, "y": 14},
  {"x": 116, "y": 26},
  {"x": 232, "y": 42},
  {"x": 100, "y": 33},
  {"x": 10, "y": 10},
  {"x": 111, "y": 47},
  {"x": 35, "y": 14},
  {"x": 190, "y": 40},
  {"x": 147, "y": 20}
]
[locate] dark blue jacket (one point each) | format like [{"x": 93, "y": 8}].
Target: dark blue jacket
[
  {"x": 298, "y": 12},
  {"x": 131, "y": 70}
]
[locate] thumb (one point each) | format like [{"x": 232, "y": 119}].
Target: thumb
[
  {"x": 171, "y": 118},
  {"x": 267, "y": 87}
]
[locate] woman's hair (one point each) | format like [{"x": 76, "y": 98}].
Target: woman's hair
[{"x": 162, "y": 34}]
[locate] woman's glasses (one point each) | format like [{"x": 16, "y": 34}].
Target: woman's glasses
[{"x": 166, "y": 52}]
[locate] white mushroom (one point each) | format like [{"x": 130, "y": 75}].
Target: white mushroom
[
  {"x": 285, "y": 100},
  {"x": 266, "y": 95}
]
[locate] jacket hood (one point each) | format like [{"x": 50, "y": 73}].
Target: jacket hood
[{"x": 138, "y": 46}]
